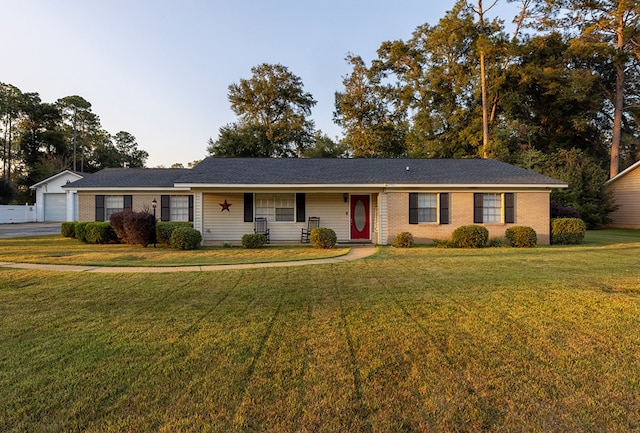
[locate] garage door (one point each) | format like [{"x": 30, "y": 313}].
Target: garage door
[{"x": 55, "y": 207}]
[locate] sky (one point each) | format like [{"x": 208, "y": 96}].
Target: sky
[{"x": 161, "y": 69}]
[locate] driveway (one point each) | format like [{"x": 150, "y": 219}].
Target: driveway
[{"x": 28, "y": 229}]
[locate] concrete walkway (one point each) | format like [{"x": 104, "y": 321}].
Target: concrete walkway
[{"x": 356, "y": 253}]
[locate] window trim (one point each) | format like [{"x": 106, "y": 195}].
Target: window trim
[
  {"x": 507, "y": 208},
  {"x": 441, "y": 209}
]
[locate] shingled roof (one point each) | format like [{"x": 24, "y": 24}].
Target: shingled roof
[
  {"x": 320, "y": 171},
  {"x": 131, "y": 178},
  {"x": 361, "y": 171}
]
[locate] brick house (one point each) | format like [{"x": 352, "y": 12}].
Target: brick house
[{"x": 362, "y": 200}]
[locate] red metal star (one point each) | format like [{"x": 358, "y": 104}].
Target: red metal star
[{"x": 225, "y": 206}]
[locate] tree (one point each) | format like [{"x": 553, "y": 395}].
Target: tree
[
  {"x": 271, "y": 105},
  {"x": 607, "y": 28},
  {"x": 11, "y": 101},
  {"x": 242, "y": 141},
  {"x": 325, "y": 147},
  {"x": 77, "y": 111},
  {"x": 127, "y": 147},
  {"x": 364, "y": 111}
]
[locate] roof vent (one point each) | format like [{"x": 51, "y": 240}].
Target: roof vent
[{"x": 407, "y": 168}]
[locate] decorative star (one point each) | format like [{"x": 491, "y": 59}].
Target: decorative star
[{"x": 225, "y": 206}]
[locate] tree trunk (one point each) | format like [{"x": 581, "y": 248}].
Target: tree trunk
[{"x": 618, "y": 102}]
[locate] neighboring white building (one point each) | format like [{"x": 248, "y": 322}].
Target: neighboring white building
[{"x": 53, "y": 202}]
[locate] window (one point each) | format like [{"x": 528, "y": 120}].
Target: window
[
  {"x": 276, "y": 207},
  {"x": 179, "y": 208},
  {"x": 494, "y": 208},
  {"x": 176, "y": 208},
  {"x": 112, "y": 204},
  {"x": 423, "y": 208}
]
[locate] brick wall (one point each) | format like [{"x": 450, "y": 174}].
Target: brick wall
[
  {"x": 140, "y": 202},
  {"x": 532, "y": 209}
]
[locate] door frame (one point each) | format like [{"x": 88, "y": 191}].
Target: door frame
[{"x": 367, "y": 216}]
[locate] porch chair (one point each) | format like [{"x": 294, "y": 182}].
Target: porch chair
[
  {"x": 313, "y": 223},
  {"x": 260, "y": 226}
]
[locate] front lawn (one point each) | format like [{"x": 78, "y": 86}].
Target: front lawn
[
  {"x": 58, "y": 250},
  {"x": 424, "y": 339}
]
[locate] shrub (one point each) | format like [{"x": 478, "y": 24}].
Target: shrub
[
  {"x": 471, "y": 236},
  {"x": 81, "y": 231},
  {"x": 140, "y": 228},
  {"x": 117, "y": 224},
  {"x": 185, "y": 238},
  {"x": 561, "y": 211},
  {"x": 100, "y": 233},
  {"x": 68, "y": 229},
  {"x": 253, "y": 240},
  {"x": 164, "y": 229},
  {"x": 443, "y": 243},
  {"x": 323, "y": 237},
  {"x": 403, "y": 240},
  {"x": 567, "y": 231},
  {"x": 521, "y": 237},
  {"x": 498, "y": 242}
]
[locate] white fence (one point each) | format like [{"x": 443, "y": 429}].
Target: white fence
[{"x": 17, "y": 214}]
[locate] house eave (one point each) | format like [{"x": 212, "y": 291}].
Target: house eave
[{"x": 375, "y": 186}]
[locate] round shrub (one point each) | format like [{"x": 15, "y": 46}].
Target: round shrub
[
  {"x": 471, "y": 236},
  {"x": 323, "y": 237},
  {"x": 139, "y": 227},
  {"x": 185, "y": 238},
  {"x": 403, "y": 240},
  {"x": 164, "y": 229},
  {"x": 567, "y": 231},
  {"x": 253, "y": 240},
  {"x": 68, "y": 229},
  {"x": 100, "y": 233},
  {"x": 521, "y": 237},
  {"x": 81, "y": 231},
  {"x": 117, "y": 224}
]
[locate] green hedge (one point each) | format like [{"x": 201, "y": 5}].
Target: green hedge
[
  {"x": 471, "y": 236},
  {"x": 164, "y": 229},
  {"x": 68, "y": 229},
  {"x": 253, "y": 240},
  {"x": 521, "y": 237},
  {"x": 81, "y": 231},
  {"x": 100, "y": 233},
  {"x": 567, "y": 231},
  {"x": 323, "y": 237},
  {"x": 185, "y": 238}
]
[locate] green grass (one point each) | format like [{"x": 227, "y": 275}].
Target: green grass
[
  {"x": 422, "y": 339},
  {"x": 64, "y": 251}
]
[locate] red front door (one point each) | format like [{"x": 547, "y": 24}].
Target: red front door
[{"x": 360, "y": 221}]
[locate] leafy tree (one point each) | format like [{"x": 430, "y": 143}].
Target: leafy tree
[
  {"x": 601, "y": 28},
  {"x": 274, "y": 109},
  {"x": 372, "y": 128},
  {"x": 242, "y": 141},
  {"x": 127, "y": 147},
  {"x": 77, "y": 111},
  {"x": 325, "y": 147},
  {"x": 11, "y": 102},
  {"x": 8, "y": 191}
]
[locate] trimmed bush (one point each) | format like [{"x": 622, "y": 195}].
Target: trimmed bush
[
  {"x": 567, "y": 231},
  {"x": 68, "y": 229},
  {"x": 443, "y": 243},
  {"x": 81, "y": 231},
  {"x": 117, "y": 224},
  {"x": 100, "y": 233},
  {"x": 521, "y": 237},
  {"x": 254, "y": 240},
  {"x": 403, "y": 240},
  {"x": 140, "y": 228},
  {"x": 185, "y": 238},
  {"x": 498, "y": 243},
  {"x": 471, "y": 236},
  {"x": 164, "y": 229},
  {"x": 323, "y": 237}
]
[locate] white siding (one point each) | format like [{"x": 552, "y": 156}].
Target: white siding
[
  {"x": 222, "y": 226},
  {"x": 55, "y": 206}
]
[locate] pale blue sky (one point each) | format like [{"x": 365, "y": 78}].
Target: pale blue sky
[{"x": 161, "y": 69}]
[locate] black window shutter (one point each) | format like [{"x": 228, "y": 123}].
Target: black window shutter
[
  {"x": 509, "y": 208},
  {"x": 165, "y": 208},
  {"x": 127, "y": 202},
  {"x": 248, "y": 207},
  {"x": 191, "y": 208},
  {"x": 478, "y": 199},
  {"x": 444, "y": 208},
  {"x": 99, "y": 207},
  {"x": 300, "y": 207},
  {"x": 413, "y": 208}
]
